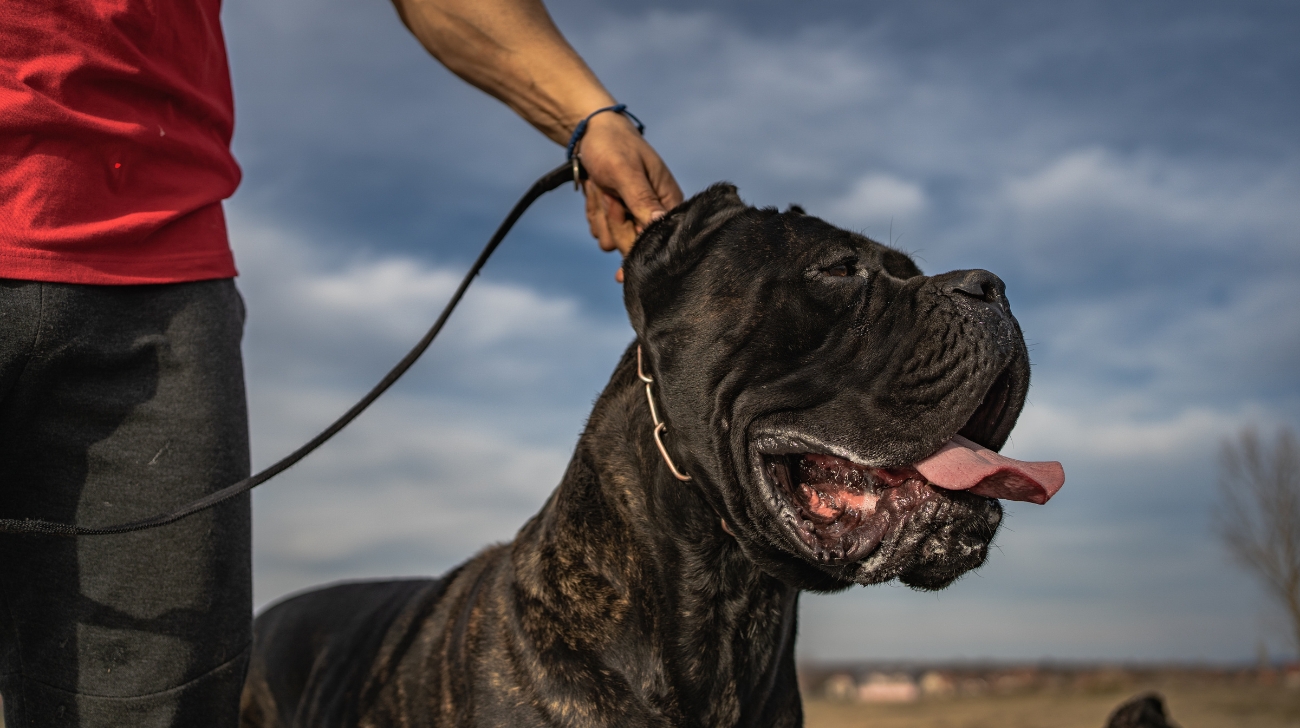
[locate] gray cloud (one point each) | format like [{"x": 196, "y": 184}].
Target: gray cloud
[{"x": 454, "y": 458}]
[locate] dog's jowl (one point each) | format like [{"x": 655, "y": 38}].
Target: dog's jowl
[{"x": 834, "y": 416}]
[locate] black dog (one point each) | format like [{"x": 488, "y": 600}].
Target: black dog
[{"x": 822, "y": 401}]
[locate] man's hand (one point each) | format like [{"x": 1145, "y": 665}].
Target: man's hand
[
  {"x": 512, "y": 50},
  {"x": 628, "y": 185}
]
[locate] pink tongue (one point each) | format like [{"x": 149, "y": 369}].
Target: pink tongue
[{"x": 963, "y": 465}]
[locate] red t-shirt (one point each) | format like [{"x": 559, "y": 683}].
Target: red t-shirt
[{"x": 115, "y": 124}]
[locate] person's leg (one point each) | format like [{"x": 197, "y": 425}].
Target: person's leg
[{"x": 118, "y": 403}]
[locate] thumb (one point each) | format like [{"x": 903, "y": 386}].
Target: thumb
[{"x": 640, "y": 198}]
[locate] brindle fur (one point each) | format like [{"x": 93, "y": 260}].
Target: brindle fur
[{"x": 626, "y": 601}]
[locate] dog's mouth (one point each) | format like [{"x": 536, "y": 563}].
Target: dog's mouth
[
  {"x": 982, "y": 425},
  {"x": 839, "y": 509},
  {"x": 842, "y": 507}
]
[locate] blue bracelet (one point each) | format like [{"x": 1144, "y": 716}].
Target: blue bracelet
[{"x": 581, "y": 128}]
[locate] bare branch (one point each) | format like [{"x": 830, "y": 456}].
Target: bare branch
[{"x": 1258, "y": 517}]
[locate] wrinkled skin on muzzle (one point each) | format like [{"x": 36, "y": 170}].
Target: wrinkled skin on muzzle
[{"x": 804, "y": 369}]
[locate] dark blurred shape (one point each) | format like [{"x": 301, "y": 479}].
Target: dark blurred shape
[
  {"x": 1259, "y": 515},
  {"x": 1144, "y": 711}
]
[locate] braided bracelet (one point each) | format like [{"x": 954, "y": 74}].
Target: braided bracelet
[{"x": 581, "y": 128}]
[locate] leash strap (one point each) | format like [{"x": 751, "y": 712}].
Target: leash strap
[{"x": 546, "y": 183}]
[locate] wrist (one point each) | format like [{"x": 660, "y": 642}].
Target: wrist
[
  {"x": 601, "y": 119},
  {"x": 582, "y": 107}
]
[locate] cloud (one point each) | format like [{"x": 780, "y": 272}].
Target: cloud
[
  {"x": 1046, "y": 432},
  {"x": 316, "y": 311},
  {"x": 421, "y": 490},
  {"x": 382, "y": 295},
  {"x": 1138, "y": 354},
  {"x": 1096, "y": 185},
  {"x": 876, "y": 199},
  {"x": 444, "y": 464}
]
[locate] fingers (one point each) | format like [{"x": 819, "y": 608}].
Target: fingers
[
  {"x": 631, "y": 186},
  {"x": 643, "y": 184},
  {"x": 620, "y": 224},
  {"x": 598, "y": 221},
  {"x": 596, "y": 216},
  {"x": 665, "y": 186},
  {"x": 608, "y": 219},
  {"x": 625, "y": 167}
]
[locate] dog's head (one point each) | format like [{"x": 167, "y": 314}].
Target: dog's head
[{"x": 807, "y": 372}]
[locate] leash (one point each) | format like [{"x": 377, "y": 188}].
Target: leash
[{"x": 570, "y": 170}]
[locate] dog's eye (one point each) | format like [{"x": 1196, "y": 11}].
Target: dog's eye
[{"x": 840, "y": 270}]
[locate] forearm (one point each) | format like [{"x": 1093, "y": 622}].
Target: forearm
[{"x": 511, "y": 50}]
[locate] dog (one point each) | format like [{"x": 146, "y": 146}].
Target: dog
[{"x": 802, "y": 409}]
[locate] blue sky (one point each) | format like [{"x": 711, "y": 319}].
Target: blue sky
[{"x": 1131, "y": 170}]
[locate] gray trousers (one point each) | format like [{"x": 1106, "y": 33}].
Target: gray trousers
[{"x": 118, "y": 403}]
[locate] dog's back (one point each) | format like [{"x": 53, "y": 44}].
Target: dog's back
[{"x": 318, "y": 657}]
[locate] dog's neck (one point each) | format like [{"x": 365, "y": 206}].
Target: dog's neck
[{"x": 650, "y": 585}]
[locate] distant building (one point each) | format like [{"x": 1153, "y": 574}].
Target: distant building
[
  {"x": 935, "y": 684},
  {"x": 882, "y": 688},
  {"x": 840, "y": 686},
  {"x": 973, "y": 686},
  {"x": 1291, "y": 677},
  {"x": 1016, "y": 680}
]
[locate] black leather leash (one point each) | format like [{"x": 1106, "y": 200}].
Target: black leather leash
[{"x": 569, "y": 171}]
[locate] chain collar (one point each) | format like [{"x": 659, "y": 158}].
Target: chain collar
[{"x": 660, "y": 426}]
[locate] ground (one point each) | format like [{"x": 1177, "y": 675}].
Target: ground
[{"x": 1191, "y": 705}]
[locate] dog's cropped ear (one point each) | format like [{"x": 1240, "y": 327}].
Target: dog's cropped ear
[
  {"x": 671, "y": 246},
  {"x": 897, "y": 264},
  {"x": 671, "y": 239}
]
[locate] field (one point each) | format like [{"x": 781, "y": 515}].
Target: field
[{"x": 1191, "y": 705}]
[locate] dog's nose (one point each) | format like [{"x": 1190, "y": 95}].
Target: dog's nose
[{"x": 980, "y": 285}]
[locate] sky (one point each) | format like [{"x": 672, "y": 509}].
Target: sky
[{"x": 1131, "y": 170}]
